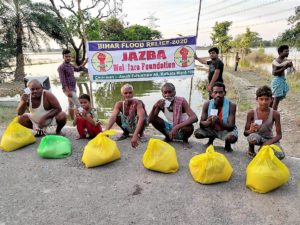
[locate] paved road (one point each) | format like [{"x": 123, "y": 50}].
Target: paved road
[{"x": 43, "y": 191}]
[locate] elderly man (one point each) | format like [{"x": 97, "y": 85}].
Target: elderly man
[
  {"x": 130, "y": 115},
  {"x": 180, "y": 117},
  {"x": 44, "y": 109},
  {"x": 218, "y": 118}
]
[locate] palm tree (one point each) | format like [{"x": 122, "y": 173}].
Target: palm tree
[{"x": 30, "y": 23}]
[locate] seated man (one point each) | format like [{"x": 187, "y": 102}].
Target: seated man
[
  {"x": 218, "y": 118},
  {"x": 258, "y": 128},
  {"x": 44, "y": 109},
  {"x": 180, "y": 117},
  {"x": 130, "y": 115}
]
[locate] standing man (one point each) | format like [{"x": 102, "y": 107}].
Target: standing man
[
  {"x": 216, "y": 67},
  {"x": 68, "y": 81},
  {"x": 218, "y": 118},
  {"x": 180, "y": 117},
  {"x": 279, "y": 84},
  {"x": 44, "y": 110},
  {"x": 130, "y": 116},
  {"x": 237, "y": 59}
]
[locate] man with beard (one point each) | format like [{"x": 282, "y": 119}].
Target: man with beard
[
  {"x": 218, "y": 118},
  {"x": 180, "y": 117},
  {"x": 130, "y": 115},
  {"x": 44, "y": 110}
]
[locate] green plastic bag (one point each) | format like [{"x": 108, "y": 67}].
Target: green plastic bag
[{"x": 54, "y": 147}]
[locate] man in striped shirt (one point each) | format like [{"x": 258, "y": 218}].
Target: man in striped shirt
[{"x": 68, "y": 81}]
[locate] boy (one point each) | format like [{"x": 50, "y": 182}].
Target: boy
[
  {"x": 258, "y": 128},
  {"x": 87, "y": 123},
  {"x": 279, "y": 84}
]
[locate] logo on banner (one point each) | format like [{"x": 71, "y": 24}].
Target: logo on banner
[
  {"x": 184, "y": 56},
  {"x": 102, "y": 61}
]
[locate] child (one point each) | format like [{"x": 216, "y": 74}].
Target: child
[
  {"x": 258, "y": 128},
  {"x": 86, "y": 119}
]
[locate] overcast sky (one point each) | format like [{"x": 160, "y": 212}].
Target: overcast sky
[{"x": 267, "y": 17}]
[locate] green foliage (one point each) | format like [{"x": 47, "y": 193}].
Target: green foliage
[
  {"x": 244, "y": 41},
  {"x": 220, "y": 36},
  {"x": 138, "y": 32},
  {"x": 291, "y": 36},
  {"x": 23, "y": 25},
  {"x": 113, "y": 29}
]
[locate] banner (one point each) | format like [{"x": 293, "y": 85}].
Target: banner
[{"x": 141, "y": 60}]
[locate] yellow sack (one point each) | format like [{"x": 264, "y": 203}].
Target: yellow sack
[
  {"x": 210, "y": 167},
  {"x": 160, "y": 156},
  {"x": 266, "y": 172},
  {"x": 16, "y": 136},
  {"x": 100, "y": 150}
]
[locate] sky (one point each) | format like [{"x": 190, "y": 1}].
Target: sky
[{"x": 267, "y": 17}]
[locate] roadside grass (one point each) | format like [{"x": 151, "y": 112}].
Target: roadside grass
[
  {"x": 259, "y": 57},
  {"x": 294, "y": 81},
  {"x": 6, "y": 115}
]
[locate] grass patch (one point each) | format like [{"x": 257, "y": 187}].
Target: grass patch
[
  {"x": 6, "y": 115},
  {"x": 294, "y": 81},
  {"x": 259, "y": 57}
]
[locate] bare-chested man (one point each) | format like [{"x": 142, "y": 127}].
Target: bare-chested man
[{"x": 44, "y": 109}]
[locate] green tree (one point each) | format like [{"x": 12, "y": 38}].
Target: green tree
[
  {"x": 113, "y": 29},
  {"x": 28, "y": 24},
  {"x": 138, "y": 32},
  {"x": 220, "y": 36},
  {"x": 291, "y": 36},
  {"x": 244, "y": 41},
  {"x": 75, "y": 25}
]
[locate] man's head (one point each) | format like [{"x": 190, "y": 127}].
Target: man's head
[
  {"x": 168, "y": 91},
  {"x": 85, "y": 101},
  {"x": 264, "y": 96},
  {"x": 213, "y": 53},
  {"x": 67, "y": 55},
  {"x": 218, "y": 92},
  {"x": 36, "y": 88},
  {"x": 127, "y": 91},
  {"x": 283, "y": 50}
]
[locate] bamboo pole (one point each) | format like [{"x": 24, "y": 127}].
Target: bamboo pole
[{"x": 197, "y": 28}]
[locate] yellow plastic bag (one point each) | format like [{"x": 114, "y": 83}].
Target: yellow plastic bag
[
  {"x": 16, "y": 136},
  {"x": 100, "y": 150},
  {"x": 266, "y": 172},
  {"x": 160, "y": 156},
  {"x": 210, "y": 167}
]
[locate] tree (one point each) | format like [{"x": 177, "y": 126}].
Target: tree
[
  {"x": 138, "y": 32},
  {"x": 27, "y": 23},
  {"x": 76, "y": 24},
  {"x": 244, "y": 41},
  {"x": 291, "y": 36},
  {"x": 220, "y": 36},
  {"x": 112, "y": 29}
]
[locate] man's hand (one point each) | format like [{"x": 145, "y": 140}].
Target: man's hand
[
  {"x": 134, "y": 141},
  {"x": 25, "y": 98},
  {"x": 289, "y": 64},
  {"x": 253, "y": 128},
  {"x": 173, "y": 132},
  {"x": 209, "y": 88}
]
